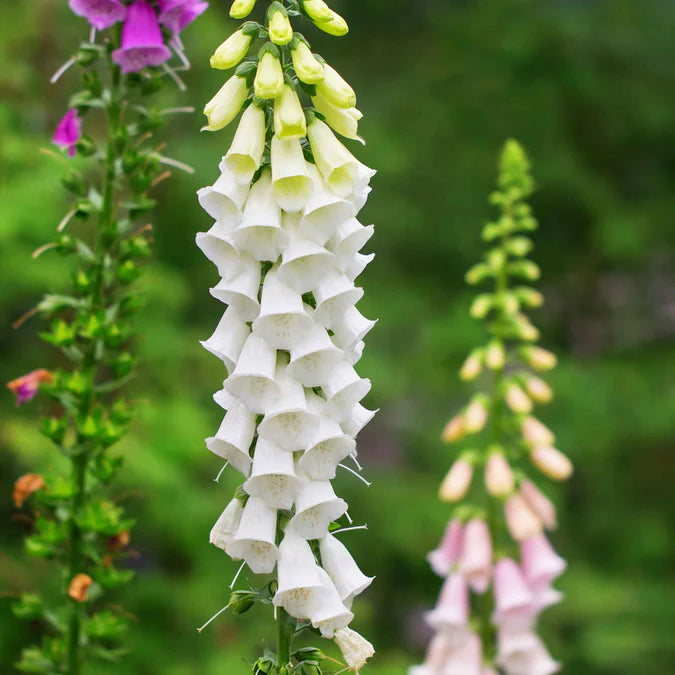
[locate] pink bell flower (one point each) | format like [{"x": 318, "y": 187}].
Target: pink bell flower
[
  {"x": 445, "y": 556},
  {"x": 451, "y": 614},
  {"x": 521, "y": 520},
  {"x": 476, "y": 558},
  {"x": 541, "y": 564},
  {"x": 437, "y": 654},
  {"x": 101, "y": 14},
  {"x": 465, "y": 659},
  {"x": 68, "y": 131},
  {"x": 178, "y": 14},
  {"x": 515, "y": 608},
  {"x": 539, "y": 503},
  {"x": 142, "y": 41},
  {"x": 524, "y": 654}
]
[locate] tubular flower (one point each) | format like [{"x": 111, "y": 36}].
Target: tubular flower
[
  {"x": 27, "y": 386},
  {"x": 68, "y": 131},
  {"x": 287, "y": 246},
  {"x": 499, "y": 419},
  {"x": 101, "y": 14},
  {"x": 178, "y": 14}
]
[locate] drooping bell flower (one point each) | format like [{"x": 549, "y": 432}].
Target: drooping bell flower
[
  {"x": 142, "y": 41},
  {"x": 178, "y": 14},
  {"x": 451, "y": 614},
  {"x": 524, "y": 654},
  {"x": 101, "y": 14},
  {"x": 515, "y": 608},
  {"x": 541, "y": 564},
  {"x": 68, "y": 131},
  {"x": 26, "y": 387},
  {"x": 446, "y": 555},
  {"x": 466, "y": 658},
  {"x": 355, "y": 649},
  {"x": 476, "y": 559}
]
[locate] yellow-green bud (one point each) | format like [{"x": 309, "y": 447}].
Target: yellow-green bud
[
  {"x": 481, "y": 306},
  {"x": 539, "y": 358},
  {"x": 318, "y": 10},
  {"x": 495, "y": 357},
  {"x": 335, "y": 89},
  {"x": 529, "y": 296},
  {"x": 471, "y": 368},
  {"x": 280, "y": 29},
  {"x": 526, "y": 330},
  {"x": 269, "y": 79},
  {"x": 518, "y": 400},
  {"x": 232, "y": 51},
  {"x": 454, "y": 430},
  {"x": 538, "y": 389},
  {"x": 478, "y": 273},
  {"x": 476, "y": 415},
  {"x": 307, "y": 68},
  {"x": 241, "y": 8},
  {"x": 345, "y": 121},
  {"x": 289, "y": 117},
  {"x": 226, "y": 104},
  {"x": 336, "y": 26}
]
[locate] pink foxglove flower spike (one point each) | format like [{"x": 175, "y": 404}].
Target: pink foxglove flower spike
[{"x": 507, "y": 442}]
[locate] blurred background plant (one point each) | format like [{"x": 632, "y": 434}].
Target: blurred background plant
[{"x": 589, "y": 90}]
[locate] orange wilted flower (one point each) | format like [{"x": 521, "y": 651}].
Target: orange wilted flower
[
  {"x": 26, "y": 386},
  {"x": 119, "y": 541},
  {"x": 25, "y": 486},
  {"x": 79, "y": 586}
]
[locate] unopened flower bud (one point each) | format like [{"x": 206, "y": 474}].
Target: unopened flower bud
[
  {"x": 498, "y": 475},
  {"x": 525, "y": 269},
  {"x": 478, "y": 273},
  {"x": 454, "y": 430},
  {"x": 529, "y": 296},
  {"x": 241, "y": 8},
  {"x": 539, "y": 503},
  {"x": 495, "y": 357},
  {"x": 226, "y": 104},
  {"x": 280, "y": 29},
  {"x": 335, "y": 89},
  {"x": 518, "y": 400},
  {"x": 476, "y": 415},
  {"x": 232, "y": 51},
  {"x": 241, "y": 601},
  {"x": 538, "y": 390},
  {"x": 471, "y": 368},
  {"x": 289, "y": 117},
  {"x": 518, "y": 246},
  {"x": 536, "y": 433},
  {"x": 522, "y": 522},
  {"x": 526, "y": 330},
  {"x": 317, "y": 10},
  {"x": 481, "y": 306},
  {"x": 538, "y": 358},
  {"x": 336, "y": 26},
  {"x": 269, "y": 78},
  {"x": 457, "y": 481},
  {"x": 509, "y": 303},
  {"x": 355, "y": 649},
  {"x": 306, "y": 67},
  {"x": 551, "y": 462}
]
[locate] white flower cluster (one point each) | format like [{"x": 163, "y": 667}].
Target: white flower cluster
[{"x": 287, "y": 249}]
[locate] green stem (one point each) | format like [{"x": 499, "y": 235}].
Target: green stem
[{"x": 285, "y": 630}]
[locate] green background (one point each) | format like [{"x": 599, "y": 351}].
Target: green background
[{"x": 589, "y": 88}]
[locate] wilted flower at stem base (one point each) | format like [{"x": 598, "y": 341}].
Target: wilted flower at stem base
[
  {"x": 26, "y": 387},
  {"x": 25, "y": 486},
  {"x": 79, "y": 586},
  {"x": 354, "y": 647},
  {"x": 101, "y": 14},
  {"x": 68, "y": 131},
  {"x": 142, "y": 41}
]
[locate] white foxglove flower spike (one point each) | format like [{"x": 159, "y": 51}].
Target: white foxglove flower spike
[
  {"x": 344, "y": 390},
  {"x": 334, "y": 295},
  {"x": 241, "y": 289},
  {"x": 292, "y": 184},
  {"x": 227, "y": 525},
  {"x": 224, "y": 199},
  {"x": 234, "y": 437},
  {"x": 349, "y": 580},
  {"x": 331, "y": 614},
  {"x": 228, "y": 339},
  {"x": 314, "y": 357},
  {"x": 254, "y": 541},
  {"x": 352, "y": 329},
  {"x": 357, "y": 419},
  {"x": 219, "y": 248},
  {"x": 351, "y": 236},
  {"x": 316, "y": 507}
]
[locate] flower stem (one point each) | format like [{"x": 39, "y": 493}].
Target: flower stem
[{"x": 285, "y": 630}]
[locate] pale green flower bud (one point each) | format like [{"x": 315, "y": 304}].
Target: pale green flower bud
[
  {"x": 289, "y": 117},
  {"x": 337, "y": 165},
  {"x": 478, "y": 273},
  {"x": 226, "y": 104},
  {"x": 232, "y": 51},
  {"x": 336, "y": 26},
  {"x": 345, "y": 121},
  {"x": 269, "y": 79},
  {"x": 529, "y": 296},
  {"x": 454, "y": 430},
  {"x": 518, "y": 400},
  {"x": 481, "y": 306},
  {"x": 307, "y": 68},
  {"x": 495, "y": 357},
  {"x": 245, "y": 154},
  {"x": 241, "y": 8},
  {"x": 476, "y": 415},
  {"x": 457, "y": 481},
  {"x": 335, "y": 89},
  {"x": 538, "y": 358},
  {"x": 538, "y": 389},
  {"x": 471, "y": 368},
  {"x": 280, "y": 29},
  {"x": 318, "y": 10}
]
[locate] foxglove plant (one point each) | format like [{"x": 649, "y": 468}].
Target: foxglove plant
[
  {"x": 77, "y": 525},
  {"x": 286, "y": 243},
  {"x": 497, "y": 563}
]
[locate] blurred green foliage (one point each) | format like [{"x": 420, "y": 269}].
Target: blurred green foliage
[{"x": 588, "y": 87}]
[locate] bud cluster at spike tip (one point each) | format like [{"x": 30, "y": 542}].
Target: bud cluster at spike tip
[
  {"x": 287, "y": 245},
  {"x": 512, "y": 449}
]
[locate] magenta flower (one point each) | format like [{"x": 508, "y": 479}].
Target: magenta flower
[
  {"x": 26, "y": 387},
  {"x": 177, "y": 14},
  {"x": 68, "y": 131},
  {"x": 142, "y": 41},
  {"x": 101, "y": 14},
  {"x": 446, "y": 555}
]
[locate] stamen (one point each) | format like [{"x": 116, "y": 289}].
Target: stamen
[
  {"x": 24, "y": 317},
  {"x": 349, "y": 518},
  {"x": 174, "y": 76},
  {"x": 358, "y": 475},
  {"x": 65, "y": 220},
  {"x": 92, "y": 35},
  {"x": 220, "y": 473},
  {"x": 160, "y": 178},
  {"x": 350, "y": 529},
  {"x": 177, "y": 47},
  {"x": 236, "y": 576},
  {"x": 175, "y": 163},
  {"x": 54, "y": 78},
  {"x": 356, "y": 461},
  {"x": 45, "y": 247},
  {"x": 173, "y": 111},
  {"x": 213, "y": 618}
]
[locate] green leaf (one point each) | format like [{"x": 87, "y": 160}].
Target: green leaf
[
  {"x": 104, "y": 517},
  {"x": 106, "y": 626},
  {"x": 111, "y": 577},
  {"x": 29, "y": 606}
]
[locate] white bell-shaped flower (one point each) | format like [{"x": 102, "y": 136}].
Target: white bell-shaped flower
[
  {"x": 355, "y": 352},
  {"x": 245, "y": 154},
  {"x": 225, "y": 400},
  {"x": 283, "y": 319},
  {"x": 289, "y": 423},
  {"x": 291, "y": 183},
  {"x": 228, "y": 338},
  {"x": 227, "y": 524},
  {"x": 339, "y": 168},
  {"x": 324, "y": 210},
  {"x": 303, "y": 262},
  {"x": 334, "y": 295},
  {"x": 255, "y": 539},
  {"x": 316, "y": 507},
  {"x": 344, "y": 390},
  {"x": 349, "y": 580},
  {"x": 357, "y": 264},
  {"x": 234, "y": 437},
  {"x": 330, "y": 614},
  {"x": 219, "y": 248},
  {"x": 241, "y": 289},
  {"x": 223, "y": 200},
  {"x": 357, "y": 418},
  {"x": 260, "y": 232},
  {"x": 328, "y": 448},
  {"x": 314, "y": 357},
  {"x": 273, "y": 476},
  {"x": 351, "y": 236},
  {"x": 252, "y": 381},
  {"x": 352, "y": 328},
  {"x": 300, "y": 584}
]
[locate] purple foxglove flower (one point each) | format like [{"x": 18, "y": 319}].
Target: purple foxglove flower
[
  {"x": 68, "y": 131},
  {"x": 177, "y": 14},
  {"x": 101, "y": 14},
  {"x": 142, "y": 41}
]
